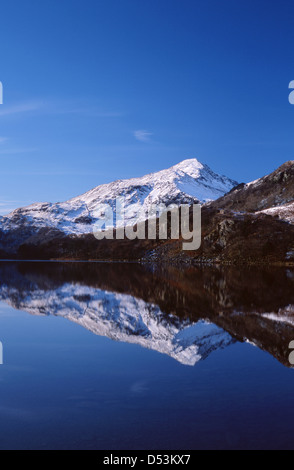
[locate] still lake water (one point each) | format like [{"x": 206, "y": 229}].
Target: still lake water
[{"x": 121, "y": 356}]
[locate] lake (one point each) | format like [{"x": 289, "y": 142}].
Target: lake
[{"x": 126, "y": 356}]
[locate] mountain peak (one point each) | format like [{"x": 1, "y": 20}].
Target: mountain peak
[
  {"x": 188, "y": 182},
  {"x": 189, "y": 162}
]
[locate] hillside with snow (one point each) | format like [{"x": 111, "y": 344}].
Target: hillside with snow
[
  {"x": 188, "y": 182},
  {"x": 272, "y": 194}
]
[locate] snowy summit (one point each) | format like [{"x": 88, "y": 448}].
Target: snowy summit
[{"x": 185, "y": 183}]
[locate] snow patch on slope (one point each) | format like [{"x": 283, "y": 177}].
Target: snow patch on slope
[{"x": 283, "y": 212}]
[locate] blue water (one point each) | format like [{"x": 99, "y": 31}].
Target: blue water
[{"x": 63, "y": 387}]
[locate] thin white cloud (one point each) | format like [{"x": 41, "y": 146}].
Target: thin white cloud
[
  {"x": 59, "y": 107},
  {"x": 82, "y": 108},
  {"x": 89, "y": 112},
  {"x": 16, "y": 151},
  {"x": 20, "y": 108},
  {"x": 3, "y": 139},
  {"x": 142, "y": 135}
]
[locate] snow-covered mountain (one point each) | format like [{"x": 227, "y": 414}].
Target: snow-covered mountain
[
  {"x": 188, "y": 182},
  {"x": 122, "y": 317}
]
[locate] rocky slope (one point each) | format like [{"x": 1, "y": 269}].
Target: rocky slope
[{"x": 272, "y": 191}]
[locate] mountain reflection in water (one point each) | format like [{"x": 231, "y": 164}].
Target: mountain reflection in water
[{"x": 184, "y": 313}]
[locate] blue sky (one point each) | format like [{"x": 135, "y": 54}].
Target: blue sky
[{"x": 98, "y": 90}]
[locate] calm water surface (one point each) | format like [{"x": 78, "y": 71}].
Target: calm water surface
[{"x": 123, "y": 356}]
